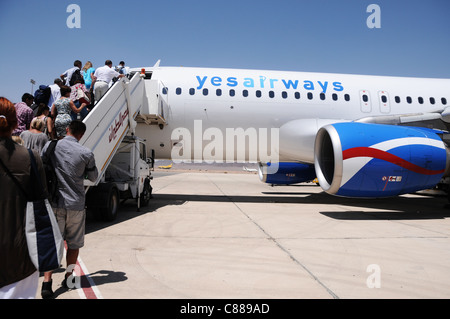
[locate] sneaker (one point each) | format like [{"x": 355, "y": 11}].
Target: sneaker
[{"x": 46, "y": 290}]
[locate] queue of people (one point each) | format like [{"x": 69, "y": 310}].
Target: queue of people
[
  {"x": 21, "y": 128},
  {"x": 72, "y": 95},
  {"x": 18, "y": 276}
]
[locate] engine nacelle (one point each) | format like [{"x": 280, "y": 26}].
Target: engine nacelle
[
  {"x": 375, "y": 160},
  {"x": 286, "y": 174}
]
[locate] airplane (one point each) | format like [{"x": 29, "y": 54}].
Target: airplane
[{"x": 359, "y": 135}]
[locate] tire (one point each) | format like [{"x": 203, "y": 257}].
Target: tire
[
  {"x": 146, "y": 193},
  {"x": 102, "y": 201},
  {"x": 110, "y": 199}
]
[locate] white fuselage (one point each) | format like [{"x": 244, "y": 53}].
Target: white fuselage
[{"x": 215, "y": 114}]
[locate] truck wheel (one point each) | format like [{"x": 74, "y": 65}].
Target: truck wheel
[
  {"x": 110, "y": 202},
  {"x": 146, "y": 193}
]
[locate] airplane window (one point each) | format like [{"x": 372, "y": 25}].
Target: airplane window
[
  {"x": 258, "y": 93},
  {"x": 420, "y": 100},
  {"x": 297, "y": 95},
  {"x": 164, "y": 90},
  {"x": 444, "y": 101},
  {"x": 347, "y": 97},
  {"x": 397, "y": 99},
  {"x": 284, "y": 94},
  {"x": 178, "y": 91},
  {"x": 322, "y": 96},
  {"x": 232, "y": 92},
  {"x": 205, "y": 92},
  {"x": 383, "y": 98},
  {"x": 335, "y": 97},
  {"x": 432, "y": 100},
  {"x": 192, "y": 91},
  {"x": 409, "y": 99},
  {"x": 365, "y": 98},
  {"x": 219, "y": 92},
  {"x": 245, "y": 93},
  {"x": 271, "y": 94},
  {"x": 310, "y": 96}
]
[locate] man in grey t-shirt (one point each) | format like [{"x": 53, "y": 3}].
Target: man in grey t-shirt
[{"x": 73, "y": 162}]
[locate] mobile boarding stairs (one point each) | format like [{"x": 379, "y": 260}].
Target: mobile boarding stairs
[{"x": 120, "y": 156}]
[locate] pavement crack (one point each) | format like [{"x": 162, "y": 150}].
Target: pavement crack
[{"x": 274, "y": 240}]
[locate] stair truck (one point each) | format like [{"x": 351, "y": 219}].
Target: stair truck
[{"x": 120, "y": 155}]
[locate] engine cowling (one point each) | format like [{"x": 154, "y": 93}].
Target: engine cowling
[
  {"x": 375, "y": 160},
  {"x": 286, "y": 173}
]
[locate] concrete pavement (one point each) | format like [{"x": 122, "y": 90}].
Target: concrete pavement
[{"x": 220, "y": 234}]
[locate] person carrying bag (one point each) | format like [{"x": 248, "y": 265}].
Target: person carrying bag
[
  {"x": 19, "y": 173},
  {"x": 44, "y": 239}
]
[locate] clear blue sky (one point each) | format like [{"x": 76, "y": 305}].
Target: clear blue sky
[{"x": 293, "y": 35}]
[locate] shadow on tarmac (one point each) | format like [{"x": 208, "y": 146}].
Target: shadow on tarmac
[
  {"x": 411, "y": 207},
  {"x": 99, "y": 277}
]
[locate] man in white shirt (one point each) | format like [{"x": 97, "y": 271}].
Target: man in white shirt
[
  {"x": 67, "y": 75},
  {"x": 102, "y": 76},
  {"x": 56, "y": 92}
]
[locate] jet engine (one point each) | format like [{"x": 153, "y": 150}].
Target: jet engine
[
  {"x": 376, "y": 160},
  {"x": 286, "y": 173}
]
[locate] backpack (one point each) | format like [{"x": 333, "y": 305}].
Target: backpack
[
  {"x": 50, "y": 173},
  {"x": 42, "y": 95},
  {"x": 76, "y": 76}
]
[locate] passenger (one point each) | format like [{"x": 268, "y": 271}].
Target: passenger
[
  {"x": 79, "y": 84},
  {"x": 18, "y": 276},
  {"x": 61, "y": 111},
  {"x": 43, "y": 114},
  {"x": 67, "y": 75},
  {"x": 34, "y": 138},
  {"x": 88, "y": 72},
  {"x": 121, "y": 68},
  {"x": 102, "y": 78},
  {"x": 70, "y": 211},
  {"x": 56, "y": 92},
  {"x": 24, "y": 114}
]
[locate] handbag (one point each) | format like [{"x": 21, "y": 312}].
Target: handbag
[
  {"x": 44, "y": 239},
  {"x": 82, "y": 96}
]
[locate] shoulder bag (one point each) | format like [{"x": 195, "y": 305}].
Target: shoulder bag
[{"x": 82, "y": 96}]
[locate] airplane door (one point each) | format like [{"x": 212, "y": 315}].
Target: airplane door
[
  {"x": 163, "y": 101},
  {"x": 156, "y": 103},
  {"x": 366, "y": 106},
  {"x": 383, "y": 99}
]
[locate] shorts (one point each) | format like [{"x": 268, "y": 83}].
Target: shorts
[{"x": 72, "y": 226}]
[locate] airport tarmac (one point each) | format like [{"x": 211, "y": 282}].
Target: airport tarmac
[{"x": 222, "y": 234}]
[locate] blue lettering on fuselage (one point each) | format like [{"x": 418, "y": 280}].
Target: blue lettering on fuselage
[{"x": 264, "y": 82}]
